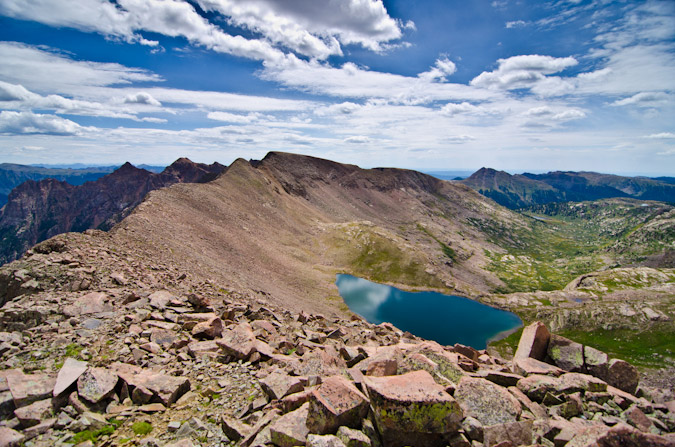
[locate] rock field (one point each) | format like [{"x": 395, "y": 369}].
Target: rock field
[{"x": 103, "y": 348}]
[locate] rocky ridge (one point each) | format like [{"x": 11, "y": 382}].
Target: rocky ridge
[
  {"x": 105, "y": 347},
  {"x": 38, "y": 210}
]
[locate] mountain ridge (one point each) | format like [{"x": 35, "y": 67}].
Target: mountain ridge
[{"x": 523, "y": 190}]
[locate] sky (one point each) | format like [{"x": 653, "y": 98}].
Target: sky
[{"x": 515, "y": 85}]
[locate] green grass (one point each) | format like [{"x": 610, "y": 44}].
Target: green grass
[
  {"x": 73, "y": 350},
  {"x": 445, "y": 248},
  {"x": 653, "y": 347},
  {"x": 92, "y": 435},
  {"x": 141, "y": 428}
]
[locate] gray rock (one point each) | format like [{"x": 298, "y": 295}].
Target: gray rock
[
  {"x": 489, "y": 403},
  {"x": 68, "y": 374},
  {"x": 353, "y": 438},
  {"x": 324, "y": 441},
  {"x": 96, "y": 384},
  {"x": 565, "y": 353}
]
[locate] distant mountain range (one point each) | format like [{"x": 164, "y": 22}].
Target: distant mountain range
[
  {"x": 523, "y": 190},
  {"x": 38, "y": 210},
  {"x": 12, "y": 175}
]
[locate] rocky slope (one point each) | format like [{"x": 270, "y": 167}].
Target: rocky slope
[
  {"x": 104, "y": 344},
  {"x": 519, "y": 191},
  {"x": 39, "y": 210},
  {"x": 12, "y": 175}
]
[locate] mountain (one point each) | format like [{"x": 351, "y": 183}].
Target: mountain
[
  {"x": 519, "y": 191},
  {"x": 512, "y": 191},
  {"x": 12, "y": 175},
  {"x": 209, "y": 316},
  {"x": 38, "y": 210}
]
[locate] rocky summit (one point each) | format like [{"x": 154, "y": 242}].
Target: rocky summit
[{"x": 95, "y": 352}]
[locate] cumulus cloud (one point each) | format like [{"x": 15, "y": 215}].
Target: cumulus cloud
[
  {"x": 522, "y": 71},
  {"x": 13, "y": 96},
  {"x": 463, "y": 108},
  {"x": 17, "y": 123},
  {"x": 142, "y": 98},
  {"x": 443, "y": 67},
  {"x": 125, "y": 19},
  {"x": 313, "y": 28}
]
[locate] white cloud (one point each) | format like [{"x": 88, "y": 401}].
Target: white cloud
[
  {"x": 463, "y": 108},
  {"x": 313, "y": 28},
  {"x": 233, "y": 117},
  {"x": 47, "y": 71},
  {"x": 661, "y": 136},
  {"x": 352, "y": 81},
  {"x": 644, "y": 99},
  {"x": 443, "y": 67},
  {"x": 142, "y": 98},
  {"x": 126, "y": 18},
  {"x": 15, "y": 123},
  {"x": 522, "y": 71},
  {"x": 515, "y": 24},
  {"x": 358, "y": 139}
]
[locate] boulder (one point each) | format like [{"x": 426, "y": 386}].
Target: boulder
[
  {"x": 574, "y": 382},
  {"x": 528, "y": 366},
  {"x": 239, "y": 342},
  {"x": 166, "y": 388},
  {"x": 10, "y": 438},
  {"x": 537, "y": 386},
  {"x": 353, "y": 438},
  {"x": 565, "y": 353},
  {"x": 596, "y": 362},
  {"x": 412, "y": 409},
  {"x": 533, "y": 342},
  {"x": 517, "y": 433},
  {"x": 210, "y": 329},
  {"x": 279, "y": 384},
  {"x": 68, "y": 374},
  {"x": 466, "y": 351},
  {"x": 324, "y": 441},
  {"x": 290, "y": 429},
  {"x": 91, "y": 303},
  {"x": 34, "y": 413},
  {"x": 28, "y": 388},
  {"x": 334, "y": 403},
  {"x": 160, "y": 299},
  {"x": 96, "y": 384},
  {"x": 622, "y": 375},
  {"x": 624, "y": 436},
  {"x": 489, "y": 403}
]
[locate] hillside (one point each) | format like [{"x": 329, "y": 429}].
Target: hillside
[
  {"x": 519, "y": 191},
  {"x": 209, "y": 316},
  {"x": 39, "y": 210},
  {"x": 12, "y": 175}
]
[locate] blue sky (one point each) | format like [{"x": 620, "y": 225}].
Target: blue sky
[{"x": 431, "y": 85}]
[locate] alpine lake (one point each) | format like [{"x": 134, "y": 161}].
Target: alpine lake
[{"x": 446, "y": 319}]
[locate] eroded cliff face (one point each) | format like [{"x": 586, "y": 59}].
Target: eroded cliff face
[{"x": 37, "y": 211}]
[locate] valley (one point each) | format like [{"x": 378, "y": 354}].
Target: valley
[{"x": 235, "y": 276}]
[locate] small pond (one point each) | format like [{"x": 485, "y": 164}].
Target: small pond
[{"x": 447, "y": 319}]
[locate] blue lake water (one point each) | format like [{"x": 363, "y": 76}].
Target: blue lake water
[{"x": 447, "y": 319}]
